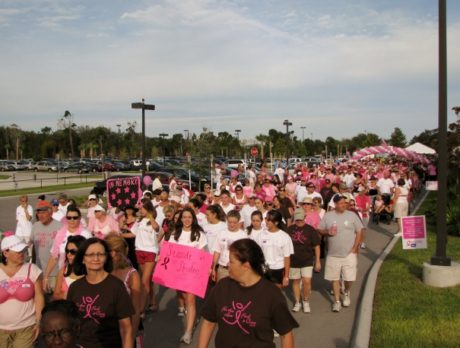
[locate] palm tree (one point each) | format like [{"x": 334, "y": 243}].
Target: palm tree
[{"x": 67, "y": 122}]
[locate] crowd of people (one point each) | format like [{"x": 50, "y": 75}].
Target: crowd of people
[{"x": 266, "y": 232}]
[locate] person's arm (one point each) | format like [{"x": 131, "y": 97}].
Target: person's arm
[
  {"x": 287, "y": 266},
  {"x": 215, "y": 260},
  {"x": 136, "y": 295},
  {"x": 206, "y": 331},
  {"x": 58, "y": 294},
  {"x": 126, "y": 332},
  {"x": 26, "y": 212},
  {"x": 39, "y": 301},
  {"x": 317, "y": 258},
  {"x": 52, "y": 262},
  {"x": 153, "y": 222},
  {"x": 358, "y": 239},
  {"x": 287, "y": 340}
]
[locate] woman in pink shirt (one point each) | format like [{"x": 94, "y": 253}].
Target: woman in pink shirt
[{"x": 102, "y": 224}]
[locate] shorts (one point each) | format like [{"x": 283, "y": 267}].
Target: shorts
[
  {"x": 17, "y": 338},
  {"x": 276, "y": 275},
  {"x": 143, "y": 257},
  {"x": 347, "y": 266},
  {"x": 303, "y": 272}
]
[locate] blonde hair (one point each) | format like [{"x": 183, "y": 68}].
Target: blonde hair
[{"x": 117, "y": 243}]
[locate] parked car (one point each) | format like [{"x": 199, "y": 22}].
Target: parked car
[
  {"x": 79, "y": 167},
  {"x": 6, "y": 166},
  {"x": 234, "y": 163},
  {"x": 45, "y": 166}
]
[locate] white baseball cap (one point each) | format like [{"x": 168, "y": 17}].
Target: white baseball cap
[{"x": 13, "y": 243}]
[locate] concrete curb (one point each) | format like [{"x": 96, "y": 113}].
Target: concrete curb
[{"x": 361, "y": 334}]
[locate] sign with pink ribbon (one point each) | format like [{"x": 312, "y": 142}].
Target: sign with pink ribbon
[
  {"x": 183, "y": 268},
  {"x": 414, "y": 232}
]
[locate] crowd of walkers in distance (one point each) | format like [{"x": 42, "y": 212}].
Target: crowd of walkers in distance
[{"x": 89, "y": 279}]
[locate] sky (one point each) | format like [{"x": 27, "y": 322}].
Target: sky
[{"x": 335, "y": 67}]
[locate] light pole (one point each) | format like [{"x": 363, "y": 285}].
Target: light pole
[
  {"x": 144, "y": 107},
  {"x": 287, "y": 124},
  {"x": 303, "y": 133},
  {"x": 237, "y": 133},
  {"x": 163, "y": 136}
]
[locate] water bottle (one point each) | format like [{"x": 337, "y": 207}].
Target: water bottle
[{"x": 333, "y": 229}]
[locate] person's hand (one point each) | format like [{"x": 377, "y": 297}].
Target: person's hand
[
  {"x": 36, "y": 331},
  {"x": 285, "y": 282},
  {"x": 355, "y": 250},
  {"x": 317, "y": 267},
  {"x": 213, "y": 274},
  {"x": 46, "y": 286}
]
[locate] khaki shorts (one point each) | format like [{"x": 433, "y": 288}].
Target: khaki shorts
[
  {"x": 20, "y": 338},
  {"x": 347, "y": 266},
  {"x": 304, "y": 272}
]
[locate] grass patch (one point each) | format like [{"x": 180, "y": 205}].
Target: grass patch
[
  {"x": 4, "y": 177},
  {"x": 44, "y": 189},
  {"x": 408, "y": 313}
]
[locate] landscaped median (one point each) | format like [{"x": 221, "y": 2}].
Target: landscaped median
[
  {"x": 44, "y": 189},
  {"x": 407, "y": 313}
]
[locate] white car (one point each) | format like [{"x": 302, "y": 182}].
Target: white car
[{"x": 234, "y": 163}]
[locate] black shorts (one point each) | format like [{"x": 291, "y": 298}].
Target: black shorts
[{"x": 276, "y": 275}]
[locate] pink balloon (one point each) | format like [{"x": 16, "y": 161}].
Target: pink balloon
[{"x": 147, "y": 180}]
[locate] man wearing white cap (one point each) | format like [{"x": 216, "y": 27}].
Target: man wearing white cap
[{"x": 92, "y": 202}]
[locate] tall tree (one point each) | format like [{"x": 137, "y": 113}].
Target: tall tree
[{"x": 397, "y": 138}]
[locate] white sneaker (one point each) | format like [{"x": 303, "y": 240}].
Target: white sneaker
[
  {"x": 363, "y": 245},
  {"x": 346, "y": 299},
  {"x": 336, "y": 306},
  {"x": 187, "y": 338},
  {"x": 296, "y": 307},
  {"x": 306, "y": 307},
  {"x": 276, "y": 334},
  {"x": 181, "y": 312}
]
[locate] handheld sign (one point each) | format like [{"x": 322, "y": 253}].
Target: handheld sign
[
  {"x": 183, "y": 268},
  {"x": 123, "y": 192},
  {"x": 414, "y": 232}
]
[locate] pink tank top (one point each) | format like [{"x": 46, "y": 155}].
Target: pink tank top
[{"x": 21, "y": 290}]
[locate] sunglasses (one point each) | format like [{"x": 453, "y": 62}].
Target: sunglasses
[
  {"x": 71, "y": 251},
  {"x": 72, "y": 217}
]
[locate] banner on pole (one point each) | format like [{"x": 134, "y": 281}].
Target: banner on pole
[{"x": 414, "y": 232}]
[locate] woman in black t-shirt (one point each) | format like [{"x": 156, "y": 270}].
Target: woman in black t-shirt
[{"x": 246, "y": 306}]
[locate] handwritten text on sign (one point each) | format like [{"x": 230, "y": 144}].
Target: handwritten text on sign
[
  {"x": 123, "y": 192},
  {"x": 414, "y": 232},
  {"x": 183, "y": 268}
]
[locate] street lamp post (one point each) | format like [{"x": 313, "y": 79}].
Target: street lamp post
[
  {"x": 144, "y": 107},
  {"x": 287, "y": 124},
  {"x": 163, "y": 136},
  {"x": 303, "y": 133}
]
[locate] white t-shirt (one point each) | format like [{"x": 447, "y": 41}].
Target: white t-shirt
[
  {"x": 146, "y": 236},
  {"x": 212, "y": 230},
  {"x": 223, "y": 241},
  {"x": 228, "y": 208},
  {"x": 63, "y": 208},
  {"x": 185, "y": 239},
  {"x": 276, "y": 246},
  {"x": 246, "y": 212},
  {"x": 301, "y": 193},
  {"x": 255, "y": 234},
  {"x": 201, "y": 218},
  {"x": 385, "y": 185},
  {"x": 58, "y": 216},
  {"x": 349, "y": 179},
  {"x": 24, "y": 225},
  {"x": 84, "y": 233}
]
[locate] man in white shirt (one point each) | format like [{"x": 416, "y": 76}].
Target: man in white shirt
[
  {"x": 386, "y": 186},
  {"x": 24, "y": 214},
  {"x": 349, "y": 178},
  {"x": 247, "y": 210},
  {"x": 63, "y": 203},
  {"x": 311, "y": 193}
]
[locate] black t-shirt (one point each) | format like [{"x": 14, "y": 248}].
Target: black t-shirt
[
  {"x": 247, "y": 316},
  {"x": 101, "y": 306},
  {"x": 286, "y": 203},
  {"x": 304, "y": 240}
]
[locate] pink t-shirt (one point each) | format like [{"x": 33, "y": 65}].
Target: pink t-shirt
[{"x": 313, "y": 219}]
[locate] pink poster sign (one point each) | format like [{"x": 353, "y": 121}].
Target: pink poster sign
[
  {"x": 122, "y": 192},
  {"x": 183, "y": 268},
  {"x": 414, "y": 232}
]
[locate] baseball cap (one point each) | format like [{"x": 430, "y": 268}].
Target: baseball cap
[
  {"x": 99, "y": 207},
  {"x": 92, "y": 196},
  {"x": 43, "y": 205},
  {"x": 307, "y": 200},
  {"x": 299, "y": 214},
  {"x": 55, "y": 202},
  {"x": 338, "y": 198},
  {"x": 12, "y": 242},
  {"x": 343, "y": 186}
]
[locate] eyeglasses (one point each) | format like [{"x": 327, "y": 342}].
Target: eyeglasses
[
  {"x": 95, "y": 255},
  {"x": 64, "y": 333},
  {"x": 72, "y": 217},
  {"x": 71, "y": 251}
]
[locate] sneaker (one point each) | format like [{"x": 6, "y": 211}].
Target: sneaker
[
  {"x": 296, "y": 307},
  {"x": 336, "y": 306},
  {"x": 181, "y": 312},
  {"x": 306, "y": 307},
  {"x": 363, "y": 245},
  {"x": 276, "y": 334},
  {"x": 346, "y": 299},
  {"x": 187, "y": 338}
]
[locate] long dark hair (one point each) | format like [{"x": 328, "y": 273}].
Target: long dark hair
[
  {"x": 246, "y": 250},
  {"x": 79, "y": 266},
  {"x": 254, "y": 213},
  {"x": 196, "y": 228},
  {"x": 218, "y": 211},
  {"x": 78, "y": 241},
  {"x": 276, "y": 217}
]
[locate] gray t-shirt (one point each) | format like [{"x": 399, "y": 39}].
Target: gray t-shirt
[
  {"x": 43, "y": 237},
  {"x": 348, "y": 223}
]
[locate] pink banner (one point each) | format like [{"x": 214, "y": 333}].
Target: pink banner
[
  {"x": 183, "y": 268},
  {"x": 414, "y": 232}
]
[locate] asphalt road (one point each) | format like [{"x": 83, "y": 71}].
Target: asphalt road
[{"x": 322, "y": 328}]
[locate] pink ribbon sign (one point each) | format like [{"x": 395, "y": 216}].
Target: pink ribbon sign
[{"x": 183, "y": 268}]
